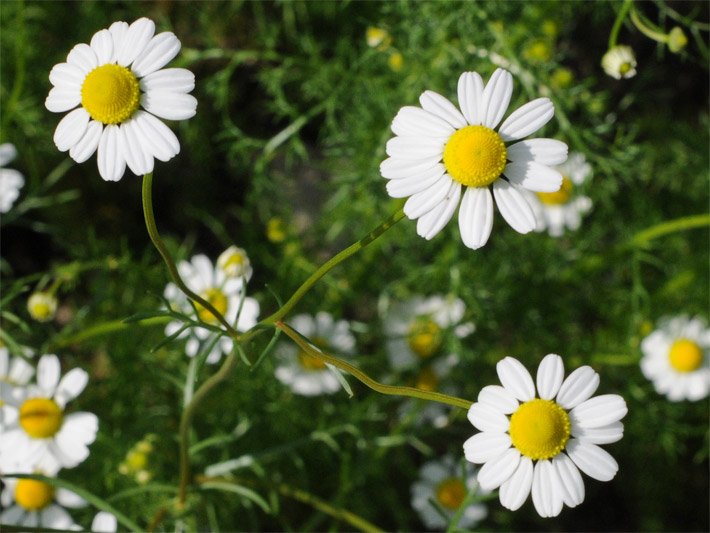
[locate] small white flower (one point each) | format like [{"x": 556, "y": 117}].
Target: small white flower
[
  {"x": 416, "y": 328},
  {"x": 234, "y": 262},
  {"x": 11, "y": 181},
  {"x": 42, "y": 306},
  {"x": 441, "y": 489},
  {"x": 620, "y": 62},
  {"x": 33, "y": 503},
  {"x": 442, "y": 157},
  {"x": 305, "y": 374},
  {"x": 675, "y": 358},
  {"x": 539, "y": 444},
  {"x": 37, "y": 433},
  {"x": 104, "y": 523},
  {"x": 110, "y": 80},
  {"x": 224, "y": 293}
]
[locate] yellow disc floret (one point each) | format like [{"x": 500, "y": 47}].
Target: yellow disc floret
[
  {"x": 560, "y": 196},
  {"x": 685, "y": 355},
  {"x": 424, "y": 337},
  {"x": 110, "y": 94},
  {"x": 41, "y": 418},
  {"x": 451, "y": 493},
  {"x": 539, "y": 429},
  {"x": 33, "y": 495},
  {"x": 475, "y": 156},
  {"x": 218, "y": 300}
]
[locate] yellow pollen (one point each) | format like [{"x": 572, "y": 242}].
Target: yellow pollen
[
  {"x": 218, "y": 300},
  {"x": 560, "y": 196},
  {"x": 424, "y": 337},
  {"x": 309, "y": 362},
  {"x": 41, "y": 418},
  {"x": 685, "y": 355},
  {"x": 450, "y": 493},
  {"x": 33, "y": 495},
  {"x": 427, "y": 379},
  {"x": 475, "y": 156},
  {"x": 110, "y": 94},
  {"x": 539, "y": 429}
]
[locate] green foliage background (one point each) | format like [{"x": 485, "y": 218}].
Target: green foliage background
[{"x": 293, "y": 115}]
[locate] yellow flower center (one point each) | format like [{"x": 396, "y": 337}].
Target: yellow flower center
[
  {"x": 41, "y": 418},
  {"x": 427, "y": 379},
  {"x": 42, "y": 306},
  {"x": 450, "y": 493},
  {"x": 424, "y": 337},
  {"x": 624, "y": 68},
  {"x": 33, "y": 495},
  {"x": 560, "y": 196},
  {"x": 309, "y": 362},
  {"x": 685, "y": 355},
  {"x": 539, "y": 429},
  {"x": 475, "y": 156},
  {"x": 110, "y": 94},
  {"x": 218, "y": 300}
]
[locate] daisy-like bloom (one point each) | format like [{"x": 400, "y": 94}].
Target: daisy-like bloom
[
  {"x": 42, "y": 306},
  {"x": 555, "y": 211},
  {"x": 441, "y": 489},
  {"x": 442, "y": 157},
  {"x": 104, "y": 522},
  {"x": 675, "y": 358},
  {"x": 234, "y": 262},
  {"x": 34, "y": 503},
  {"x": 620, "y": 62},
  {"x": 431, "y": 377},
  {"x": 303, "y": 373},
  {"x": 37, "y": 434},
  {"x": 416, "y": 329},
  {"x": 11, "y": 181},
  {"x": 225, "y": 293},
  {"x": 540, "y": 443},
  {"x": 108, "y": 82}
]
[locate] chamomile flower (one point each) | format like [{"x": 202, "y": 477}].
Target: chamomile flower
[
  {"x": 675, "y": 358},
  {"x": 303, "y": 373},
  {"x": 11, "y": 181},
  {"x": 37, "y": 433},
  {"x": 540, "y": 443},
  {"x": 620, "y": 62},
  {"x": 563, "y": 209},
  {"x": 441, "y": 489},
  {"x": 224, "y": 293},
  {"x": 442, "y": 157},
  {"x": 33, "y": 503},
  {"x": 234, "y": 262},
  {"x": 116, "y": 88},
  {"x": 431, "y": 377},
  {"x": 416, "y": 329},
  {"x": 42, "y": 306}
]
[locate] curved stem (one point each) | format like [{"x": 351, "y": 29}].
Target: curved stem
[
  {"x": 670, "y": 226},
  {"x": 618, "y": 22},
  {"x": 645, "y": 28},
  {"x": 165, "y": 254},
  {"x": 391, "y": 390}
]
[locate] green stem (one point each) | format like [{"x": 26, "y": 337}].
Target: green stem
[
  {"x": 618, "y": 22},
  {"x": 165, "y": 254},
  {"x": 645, "y": 28},
  {"x": 106, "y": 328},
  {"x": 671, "y": 226},
  {"x": 391, "y": 390}
]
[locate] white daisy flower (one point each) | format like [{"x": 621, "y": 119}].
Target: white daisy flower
[
  {"x": 234, "y": 262},
  {"x": 34, "y": 503},
  {"x": 620, "y": 62},
  {"x": 555, "y": 211},
  {"x": 224, "y": 293},
  {"x": 303, "y": 373},
  {"x": 416, "y": 328},
  {"x": 11, "y": 181},
  {"x": 547, "y": 439},
  {"x": 104, "y": 522},
  {"x": 108, "y": 82},
  {"x": 430, "y": 378},
  {"x": 37, "y": 433},
  {"x": 675, "y": 358},
  {"x": 442, "y": 157},
  {"x": 441, "y": 489}
]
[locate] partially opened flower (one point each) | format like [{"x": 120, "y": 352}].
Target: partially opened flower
[
  {"x": 620, "y": 62},
  {"x": 675, "y": 358},
  {"x": 11, "y": 181},
  {"x": 234, "y": 262},
  {"x": 117, "y": 87},
  {"x": 539, "y": 442},
  {"x": 442, "y": 157}
]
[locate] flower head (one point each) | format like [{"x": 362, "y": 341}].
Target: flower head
[
  {"x": 540, "y": 442},
  {"x": 675, "y": 358},
  {"x": 234, "y": 262},
  {"x": 11, "y": 181},
  {"x": 116, "y": 87},
  {"x": 42, "y": 306},
  {"x": 620, "y": 62},
  {"x": 442, "y": 157}
]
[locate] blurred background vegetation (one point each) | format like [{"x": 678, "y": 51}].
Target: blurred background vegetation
[{"x": 282, "y": 159}]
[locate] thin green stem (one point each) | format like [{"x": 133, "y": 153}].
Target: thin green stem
[
  {"x": 679, "y": 224},
  {"x": 620, "y": 17},
  {"x": 107, "y": 327},
  {"x": 646, "y": 29},
  {"x": 391, "y": 390}
]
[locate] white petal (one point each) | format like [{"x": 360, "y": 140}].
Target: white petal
[
  {"x": 67, "y": 76},
  {"x": 496, "y": 97},
  {"x": 442, "y": 108},
  {"x": 54, "y": 517},
  {"x": 426, "y": 200},
  {"x": 578, "y": 387},
  {"x": 87, "y": 145},
  {"x": 8, "y": 152},
  {"x": 431, "y": 223},
  {"x": 83, "y": 57},
  {"x": 169, "y": 105},
  {"x": 527, "y": 119},
  {"x": 395, "y": 168},
  {"x": 476, "y": 216},
  {"x": 499, "y": 397},
  {"x": 62, "y": 99},
  {"x": 414, "y": 121},
  {"x": 570, "y": 480},
  {"x": 496, "y": 472},
  {"x": 138, "y": 159},
  {"x": 515, "y": 491},
  {"x": 177, "y": 80},
  {"x": 414, "y": 147},
  {"x": 484, "y": 446},
  {"x": 401, "y": 188},
  {"x": 514, "y": 207},
  {"x": 118, "y": 32},
  {"x": 543, "y": 151},
  {"x": 533, "y": 176},
  {"x": 137, "y": 37},
  {"x": 599, "y": 411},
  {"x": 158, "y": 52},
  {"x": 550, "y": 374},
  {"x": 104, "y": 522},
  {"x": 515, "y": 377},
  {"x": 102, "y": 45},
  {"x": 48, "y": 371},
  {"x": 601, "y": 435},
  {"x": 592, "y": 460},
  {"x": 71, "y": 386},
  {"x": 163, "y": 143},
  {"x": 470, "y": 92},
  {"x": 487, "y": 418},
  {"x": 69, "y": 499},
  {"x": 546, "y": 493},
  {"x": 110, "y": 159},
  {"x": 71, "y": 129}
]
